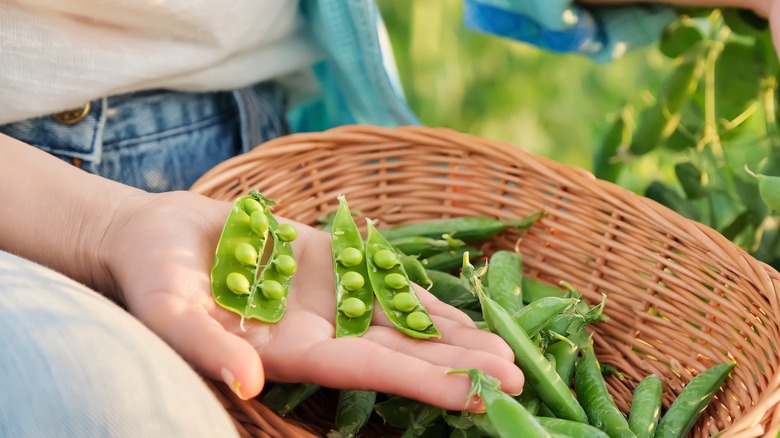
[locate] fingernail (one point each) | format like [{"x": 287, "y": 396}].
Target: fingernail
[{"x": 231, "y": 382}]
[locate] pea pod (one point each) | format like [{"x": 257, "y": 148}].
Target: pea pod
[
  {"x": 505, "y": 277},
  {"x": 247, "y": 278},
  {"x": 467, "y": 229},
  {"x": 606, "y": 162},
  {"x": 422, "y": 246},
  {"x": 646, "y": 407},
  {"x": 413, "y": 416},
  {"x": 400, "y": 304},
  {"x": 570, "y": 428},
  {"x": 449, "y": 260},
  {"x": 592, "y": 392},
  {"x": 686, "y": 408},
  {"x": 530, "y": 400},
  {"x": 507, "y": 416},
  {"x": 534, "y": 289},
  {"x": 415, "y": 270},
  {"x": 565, "y": 354},
  {"x": 534, "y": 317},
  {"x": 353, "y": 411},
  {"x": 284, "y": 397},
  {"x": 769, "y": 189},
  {"x": 354, "y": 301},
  {"x": 449, "y": 289},
  {"x": 539, "y": 373}
]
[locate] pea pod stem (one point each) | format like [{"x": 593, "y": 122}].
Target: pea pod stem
[
  {"x": 694, "y": 398},
  {"x": 539, "y": 373}
]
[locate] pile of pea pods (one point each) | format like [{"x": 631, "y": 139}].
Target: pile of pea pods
[{"x": 565, "y": 393}]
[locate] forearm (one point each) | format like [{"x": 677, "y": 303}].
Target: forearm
[{"x": 56, "y": 214}]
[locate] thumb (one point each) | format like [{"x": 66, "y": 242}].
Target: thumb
[{"x": 205, "y": 344}]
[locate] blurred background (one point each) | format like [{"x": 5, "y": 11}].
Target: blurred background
[
  {"x": 706, "y": 93},
  {"x": 554, "y": 105}
]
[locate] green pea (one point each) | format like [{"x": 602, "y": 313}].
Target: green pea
[
  {"x": 237, "y": 283},
  {"x": 246, "y": 253},
  {"x": 350, "y": 257},
  {"x": 396, "y": 280},
  {"x": 251, "y": 205},
  {"x": 353, "y": 307},
  {"x": 418, "y": 320},
  {"x": 406, "y": 302},
  {"x": 272, "y": 289},
  {"x": 258, "y": 222},
  {"x": 385, "y": 259},
  {"x": 286, "y": 265},
  {"x": 286, "y": 232},
  {"x": 352, "y": 281}
]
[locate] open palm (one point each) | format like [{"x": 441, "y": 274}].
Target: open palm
[{"x": 160, "y": 255}]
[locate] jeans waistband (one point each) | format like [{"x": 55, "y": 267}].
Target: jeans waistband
[{"x": 115, "y": 121}]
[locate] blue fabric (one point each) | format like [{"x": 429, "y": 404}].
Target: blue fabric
[
  {"x": 161, "y": 140},
  {"x": 358, "y": 81}
]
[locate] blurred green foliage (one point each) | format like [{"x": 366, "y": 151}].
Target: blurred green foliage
[{"x": 553, "y": 105}]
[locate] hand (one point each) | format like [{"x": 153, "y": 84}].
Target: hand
[{"x": 159, "y": 253}]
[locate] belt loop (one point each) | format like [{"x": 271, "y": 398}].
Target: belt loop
[
  {"x": 248, "y": 118},
  {"x": 97, "y": 139}
]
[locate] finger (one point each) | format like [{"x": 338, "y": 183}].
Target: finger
[
  {"x": 451, "y": 356},
  {"x": 434, "y": 306},
  {"x": 208, "y": 347},
  {"x": 455, "y": 333},
  {"x": 358, "y": 363}
]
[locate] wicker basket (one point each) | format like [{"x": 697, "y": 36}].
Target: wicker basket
[{"x": 680, "y": 296}]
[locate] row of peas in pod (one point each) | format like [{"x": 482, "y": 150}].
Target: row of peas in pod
[
  {"x": 368, "y": 269},
  {"x": 254, "y": 262}
]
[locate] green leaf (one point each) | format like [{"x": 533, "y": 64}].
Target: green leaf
[
  {"x": 738, "y": 74},
  {"x": 679, "y": 37},
  {"x": 691, "y": 180}
]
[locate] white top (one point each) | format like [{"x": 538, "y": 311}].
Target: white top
[{"x": 56, "y": 55}]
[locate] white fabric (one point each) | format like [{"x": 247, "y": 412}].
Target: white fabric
[{"x": 59, "y": 54}]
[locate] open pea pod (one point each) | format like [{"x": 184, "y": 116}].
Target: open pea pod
[
  {"x": 253, "y": 264},
  {"x": 394, "y": 290},
  {"x": 354, "y": 296}
]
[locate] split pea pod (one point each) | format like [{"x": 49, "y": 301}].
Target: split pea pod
[
  {"x": 507, "y": 416},
  {"x": 394, "y": 290},
  {"x": 354, "y": 296},
  {"x": 467, "y": 229},
  {"x": 539, "y": 373},
  {"x": 505, "y": 279},
  {"x": 592, "y": 392},
  {"x": 686, "y": 408},
  {"x": 646, "y": 407},
  {"x": 253, "y": 263},
  {"x": 570, "y": 428},
  {"x": 353, "y": 411}
]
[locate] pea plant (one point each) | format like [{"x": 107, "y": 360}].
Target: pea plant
[{"x": 711, "y": 127}]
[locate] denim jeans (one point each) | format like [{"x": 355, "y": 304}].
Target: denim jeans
[
  {"x": 160, "y": 140},
  {"x": 74, "y": 364}
]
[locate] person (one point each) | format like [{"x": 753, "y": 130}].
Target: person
[{"x": 110, "y": 111}]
